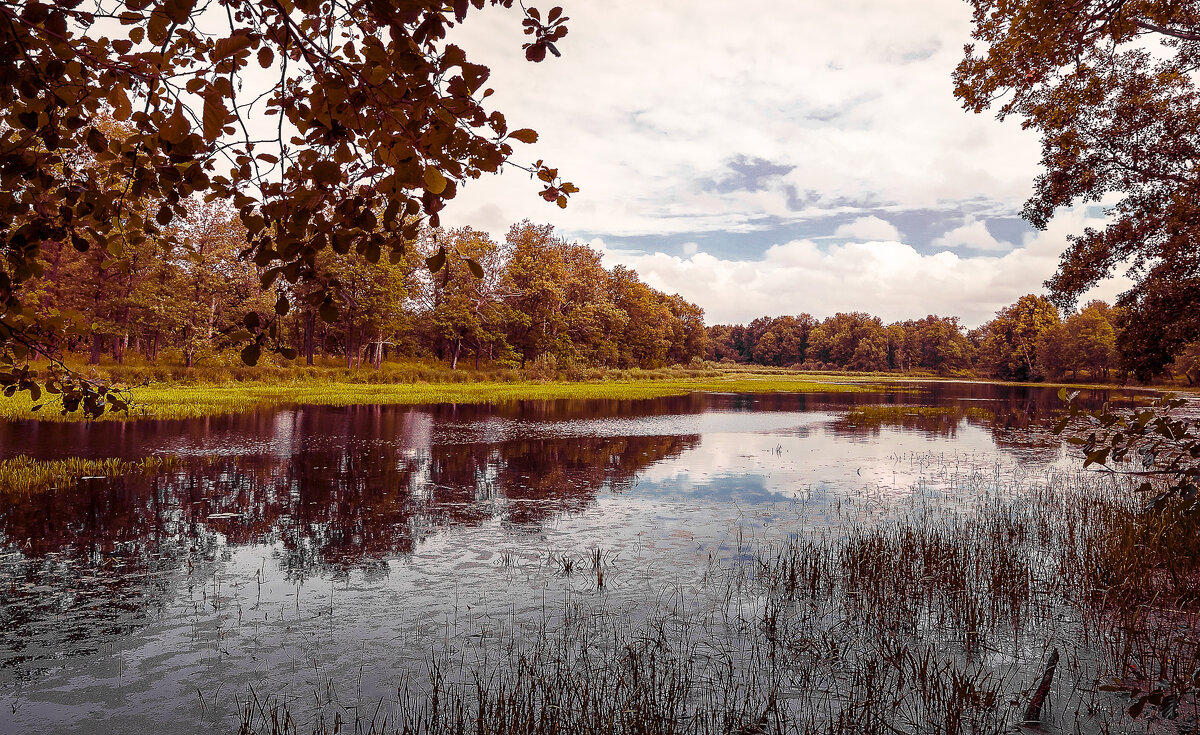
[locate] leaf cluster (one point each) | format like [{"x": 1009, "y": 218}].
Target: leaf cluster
[{"x": 1150, "y": 443}]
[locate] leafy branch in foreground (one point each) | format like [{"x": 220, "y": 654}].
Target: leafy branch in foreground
[
  {"x": 333, "y": 125},
  {"x": 1164, "y": 447},
  {"x": 1166, "y": 452}
]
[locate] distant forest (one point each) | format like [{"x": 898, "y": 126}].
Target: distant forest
[
  {"x": 1028, "y": 340},
  {"x": 534, "y": 300}
]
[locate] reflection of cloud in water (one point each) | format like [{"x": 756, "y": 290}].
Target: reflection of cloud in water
[
  {"x": 725, "y": 488},
  {"x": 787, "y": 464}
]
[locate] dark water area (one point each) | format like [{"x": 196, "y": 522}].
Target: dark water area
[{"x": 294, "y": 546}]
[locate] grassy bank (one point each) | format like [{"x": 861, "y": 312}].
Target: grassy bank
[{"x": 179, "y": 400}]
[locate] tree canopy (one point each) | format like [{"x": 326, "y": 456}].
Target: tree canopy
[
  {"x": 115, "y": 115},
  {"x": 1110, "y": 87}
]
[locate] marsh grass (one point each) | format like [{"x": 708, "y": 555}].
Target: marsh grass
[
  {"x": 936, "y": 619},
  {"x": 899, "y": 414},
  {"x": 22, "y": 477}
]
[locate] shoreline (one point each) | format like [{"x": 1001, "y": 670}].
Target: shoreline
[{"x": 179, "y": 401}]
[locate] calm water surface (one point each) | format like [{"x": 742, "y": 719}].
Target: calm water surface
[{"x": 297, "y": 547}]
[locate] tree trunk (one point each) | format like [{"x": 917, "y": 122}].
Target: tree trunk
[
  {"x": 310, "y": 329},
  {"x": 97, "y": 345},
  {"x": 454, "y": 354}
]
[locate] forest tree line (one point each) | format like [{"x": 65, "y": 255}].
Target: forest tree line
[
  {"x": 533, "y": 298},
  {"x": 1028, "y": 340}
]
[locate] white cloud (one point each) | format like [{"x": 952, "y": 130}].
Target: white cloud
[
  {"x": 972, "y": 234},
  {"x": 891, "y": 280},
  {"x": 651, "y": 101},
  {"x": 868, "y": 228},
  {"x": 690, "y": 248}
]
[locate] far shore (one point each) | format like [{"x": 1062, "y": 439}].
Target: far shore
[{"x": 213, "y": 392}]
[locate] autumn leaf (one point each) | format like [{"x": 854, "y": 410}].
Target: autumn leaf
[
  {"x": 436, "y": 261},
  {"x": 175, "y": 128},
  {"x": 326, "y": 172},
  {"x": 215, "y": 114},
  {"x": 251, "y": 353},
  {"x": 525, "y": 135}
]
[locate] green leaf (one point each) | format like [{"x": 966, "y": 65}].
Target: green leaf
[
  {"x": 476, "y": 269},
  {"x": 251, "y": 353},
  {"x": 288, "y": 353},
  {"x": 252, "y": 321},
  {"x": 435, "y": 183},
  {"x": 328, "y": 313},
  {"x": 282, "y": 306},
  {"x": 436, "y": 261}
]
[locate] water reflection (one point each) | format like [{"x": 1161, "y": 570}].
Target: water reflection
[{"x": 345, "y": 493}]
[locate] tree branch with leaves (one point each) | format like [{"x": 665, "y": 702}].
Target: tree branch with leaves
[{"x": 373, "y": 120}]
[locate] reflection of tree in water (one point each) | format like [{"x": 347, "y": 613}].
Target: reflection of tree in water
[
  {"x": 348, "y": 503},
  {"x": 96, "y": 561}
]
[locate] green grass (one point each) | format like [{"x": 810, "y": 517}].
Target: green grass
[{"x": 183, "y": 401}]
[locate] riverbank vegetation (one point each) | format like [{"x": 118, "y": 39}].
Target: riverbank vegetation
[
  {"x": 536, "y": 307},
  {"x": 427, "y": 385},
  {"x": 535, "y": 300}
]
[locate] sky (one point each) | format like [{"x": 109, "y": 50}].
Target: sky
[{"x": 808, "y": 156}]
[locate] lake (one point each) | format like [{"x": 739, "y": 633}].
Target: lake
[{"x": 326, "y": 558}]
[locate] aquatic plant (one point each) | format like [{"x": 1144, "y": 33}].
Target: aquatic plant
[{"x": 23, "y": 476}]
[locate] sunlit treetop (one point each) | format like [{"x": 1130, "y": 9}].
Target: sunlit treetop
[
  {"x": 328, "y": 124},
  {"x": 1110, "y": 88}
]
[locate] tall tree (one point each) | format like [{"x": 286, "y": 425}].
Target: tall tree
[
  {"x": 464, "y": 298},
  {"x": 1008, "y": 345},
  {"x": 1111, "y": 88},
  {"x": 851, "y": 340},
  {"x": 535, "y": 278},
  {"x": 211, "y": 288},
  {"x": 785, "y": 340}
]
